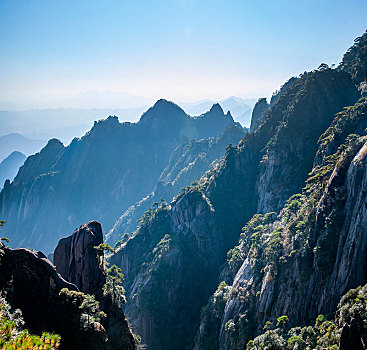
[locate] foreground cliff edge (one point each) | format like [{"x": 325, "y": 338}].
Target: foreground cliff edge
[{"x": 86, "y": 314}]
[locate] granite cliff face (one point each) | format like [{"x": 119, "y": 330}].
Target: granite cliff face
[
  {"x": 171, "y": 276},
  {"x": 79, "y": 262},
  {"x": 258, "y": 113},
  {"x": 187, "y": 163},
  {"x": 182, "y": 246},
  {"x": 98, "y": 176},
  {"x": 302, "y": 262}
]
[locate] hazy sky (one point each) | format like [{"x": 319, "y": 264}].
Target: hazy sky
[{"x": 53, "y": 51}]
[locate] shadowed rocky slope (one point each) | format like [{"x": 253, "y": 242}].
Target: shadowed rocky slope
[
  {"x": 298, "y": 263},
  {"x": 187, "y": 163},
  {"x": 49, "y": 303}
]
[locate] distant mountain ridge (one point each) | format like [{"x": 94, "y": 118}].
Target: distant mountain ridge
[
  {"x": 61, "y": 123},
  {"x": 99, "y": 175},
  {"x": 188, "y": 162},
  {"x": 9, "y": 166},
  {"x": 16, "y": 142},
  {"x": 239, "y": 108},
  {"x": 69, "y": 122}
]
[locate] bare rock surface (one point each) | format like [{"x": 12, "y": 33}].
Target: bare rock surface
[{"x": 78, "y": 261}]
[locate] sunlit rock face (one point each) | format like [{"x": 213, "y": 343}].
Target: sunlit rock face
[{"x": 182, "y": 245}]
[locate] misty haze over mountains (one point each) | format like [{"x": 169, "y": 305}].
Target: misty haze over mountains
[
  {"x": 183, "y": 175},
  {"x": 220, "y": 232},
  {"x": 16, "y": 142},
  {"x": 74, "y": 121},
  {"x": 111, "y": 167}
]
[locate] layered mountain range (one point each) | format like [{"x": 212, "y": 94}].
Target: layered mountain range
[
  {"x": 102, "y": 174},
  {"x": 263, "y": 248},
  {"x": 9, "y": 167}
]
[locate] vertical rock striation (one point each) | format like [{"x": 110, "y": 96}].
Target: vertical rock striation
[
  {"x": 77, "y": 259},
  {"x": 79, "y": 262}
]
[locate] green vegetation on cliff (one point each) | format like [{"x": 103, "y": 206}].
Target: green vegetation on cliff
[
  {"x": 298, "y": 245},
  {"x": 311, "y": 252},
  {"x": 182, "y": 246},
  {"x": 346, "y": 329},
  {"x": 13, "y": 336}
]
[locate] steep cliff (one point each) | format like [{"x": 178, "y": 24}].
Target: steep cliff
[
  {"x": 262, "y": 106},
  {"x": 50, "y": 303},
  {"x": 346, "y": 330},
  {"x": 300, "y": 263},
  {"x": 33, "y": 286},
  {"x": 258, "y": 113},
  {"x": 354, "y": 60},
  {"x": 181, "y": 246},
  {"x": 79, "y": 260},
  {"x": 98, "y": 176},
  {"x": 187, "y": 163}
]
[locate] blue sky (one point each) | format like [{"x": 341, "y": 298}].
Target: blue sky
[{"x": 184, "y": 50}]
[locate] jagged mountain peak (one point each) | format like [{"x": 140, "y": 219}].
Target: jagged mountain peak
[
  {"x": 216, "y": 111},
  {"x": 53, "y": 144},
  {"x": 162, "y": 109},
  {"x": 217, "y": 108},
  {"x": 111, "y": 121},
  {"x": 163, "y": 102},
  {"x": 16, "y": 154}
]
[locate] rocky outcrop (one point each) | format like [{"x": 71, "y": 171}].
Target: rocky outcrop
[
  {"x": 32, "y": 284},
  {"x": 262, "y": 106},
  {"x": 258, "y": 113},
  {"x": 79, "y": 262},
  {"x": 51, "y": 303}
]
